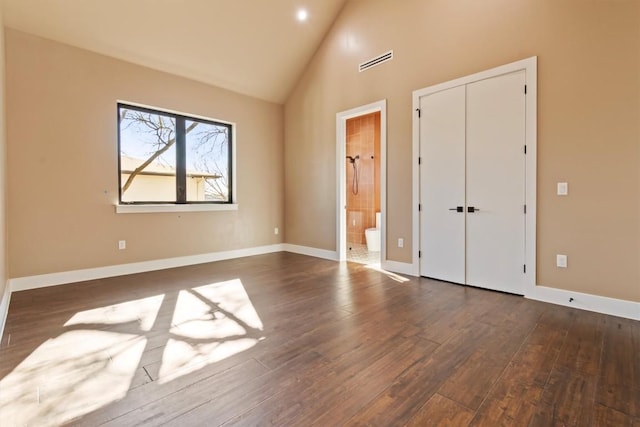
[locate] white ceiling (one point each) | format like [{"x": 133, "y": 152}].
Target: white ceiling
[{"x": 255, "y": 47}]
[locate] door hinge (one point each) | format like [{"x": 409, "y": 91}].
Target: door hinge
[
  {"x": 419, "y": 254},
  {"x": 419, "y": 207},
  {"x": 525, "y": 89},
  {"x": 525, "y": 268},
  {"x": 525, "y": 209},
  {"x": 525, "y": 149},
  {"x": 419, "y": 160},
  {"x": 419, "y": 112}
]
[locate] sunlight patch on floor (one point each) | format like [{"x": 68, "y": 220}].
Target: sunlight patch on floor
[
  {"x": 143, "y": 311},
  {"x": 69, "y": 376},
  {"x": 96, "y": 356},
  {"x": 389, "y": 274},
  {"x": 210, "y": 323}
]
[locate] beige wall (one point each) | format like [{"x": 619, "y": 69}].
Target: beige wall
[
  {"x": 588, "y": 120},
  {"x": 3, "y": 170},
  {"x": 62, "y": 162}
]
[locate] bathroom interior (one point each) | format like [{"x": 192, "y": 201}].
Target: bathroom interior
[{"x": 363, "y": 189}]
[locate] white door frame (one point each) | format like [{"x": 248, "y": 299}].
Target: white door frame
[
  {"x": 341, "y": 168},
  {"x": 529, "y": 65}
]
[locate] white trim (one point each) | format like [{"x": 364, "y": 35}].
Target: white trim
[
  {"x": 4, "y": 308},
  {"x": 599, "y": 304},
  {"x": 529, "y": 65},
  {"x": 65, "y": 277},
  {"x": 398, "y": 267},
  {"x": 341, "y": 143},
  {"x": 314, "y": 252},
  {"x": 234, "y": 165},
  {"x": 415, "y": 187},
  {"x": 196, "y": 207}
]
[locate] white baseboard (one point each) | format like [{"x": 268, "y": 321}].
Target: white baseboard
[
  {"x": 605, "y": 305},
  {"x": 4, "y": 308},
  {"x": 599, "y": 304},
  {"x": 315, "y": 252},
  {"x": 53, "y": 279},
  {"x": 399, "y": 267}
]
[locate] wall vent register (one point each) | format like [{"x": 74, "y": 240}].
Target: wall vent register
[{"x": 388, "y": 56}]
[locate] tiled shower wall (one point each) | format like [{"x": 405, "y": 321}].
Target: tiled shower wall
[{"x": 363, "y": 139}]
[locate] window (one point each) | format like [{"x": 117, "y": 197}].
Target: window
[{"x": 168, "y": 158}]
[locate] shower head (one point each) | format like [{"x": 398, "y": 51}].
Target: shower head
[{"x": 353, "y": 159}]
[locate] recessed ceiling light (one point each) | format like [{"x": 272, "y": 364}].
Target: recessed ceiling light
[{"x": 302, "y": 15}]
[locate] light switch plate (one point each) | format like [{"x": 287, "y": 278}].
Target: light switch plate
[{"x": 563, "y": 188}]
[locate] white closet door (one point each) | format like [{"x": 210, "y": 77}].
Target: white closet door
[
  {"x": 442, "y": 185},
  {"x": 495, "y": 183}
]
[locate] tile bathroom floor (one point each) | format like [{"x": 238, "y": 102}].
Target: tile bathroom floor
[{"x": 357, "y": 252}]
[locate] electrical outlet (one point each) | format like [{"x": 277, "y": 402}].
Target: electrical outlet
[
  {"x": 122, "y": 244},
  {"x": 401, "y": 243},
  {"x": 561, "y": 261},
  {"x": 563, "y": 189},
  {"x": 276, "y": 231}
]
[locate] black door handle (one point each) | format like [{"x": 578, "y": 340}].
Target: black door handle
[
  {"x": 472, "y": 209},
  {"x": 457, "y": 209}
]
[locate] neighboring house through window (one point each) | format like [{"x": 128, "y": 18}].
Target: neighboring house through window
[{"x": 172, "y": 158}]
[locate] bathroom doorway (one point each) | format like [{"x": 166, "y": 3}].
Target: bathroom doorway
[{"x": 361, "y": 183}]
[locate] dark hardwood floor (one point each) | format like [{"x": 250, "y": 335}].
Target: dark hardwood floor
[{"x": 290, "y": 340}]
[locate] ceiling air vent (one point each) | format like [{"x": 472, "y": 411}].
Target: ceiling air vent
[{"x": 388, "y": 56}]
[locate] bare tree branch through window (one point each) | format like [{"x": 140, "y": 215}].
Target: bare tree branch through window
[{"x": 148, "y": 142}]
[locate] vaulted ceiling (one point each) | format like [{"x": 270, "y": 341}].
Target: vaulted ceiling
[{"x": 254, "y": 47}]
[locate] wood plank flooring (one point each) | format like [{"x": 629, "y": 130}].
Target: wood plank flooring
[{"x": 290, "y": 340}]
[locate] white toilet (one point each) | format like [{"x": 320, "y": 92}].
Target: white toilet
[{"x": 372, "y": 235}]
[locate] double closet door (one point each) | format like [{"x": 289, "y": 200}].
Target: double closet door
[{"x": 472, "y": 183}]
